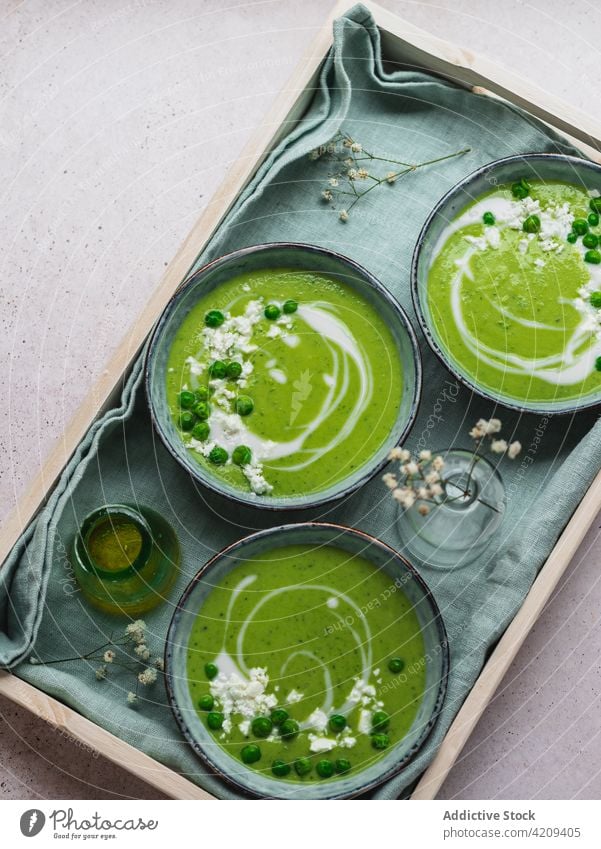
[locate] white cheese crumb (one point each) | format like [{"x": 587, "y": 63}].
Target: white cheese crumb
[
  {"x": 540, "y": 263},
  {"x": 321, "y": 744},
  {"x": 253, "y": 472},
  {"x": 594, "y": 193},
  {"x": 364, "y": 724},
  {"x": 245, "y": 697},
  {"x": 293, "y": 697},
  {"x": 346, "y": 740},
  {"x": 318, "y": 720}
]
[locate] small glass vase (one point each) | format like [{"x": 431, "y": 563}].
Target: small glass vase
[
  {"x": 125, "y": 560},
  {"x": 460, "y": 525}
]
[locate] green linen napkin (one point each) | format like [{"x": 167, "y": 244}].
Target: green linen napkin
[{"x": 414, "y": 117}]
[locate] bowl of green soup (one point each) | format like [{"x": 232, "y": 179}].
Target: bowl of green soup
[
  {"x": 307, "y": 661},
  {"x": 506, "y": 282},
  {"x": 281, "y": 375}
]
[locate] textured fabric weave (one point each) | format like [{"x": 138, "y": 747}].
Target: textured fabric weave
[{"x": 413, "y": 117}]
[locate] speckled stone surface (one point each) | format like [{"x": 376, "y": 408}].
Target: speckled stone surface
[{"x": 118, "y": 120}]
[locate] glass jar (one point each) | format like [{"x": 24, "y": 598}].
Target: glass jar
[
  {"x": 125, "y": 560},
  {"x": 460, "y": 524}
]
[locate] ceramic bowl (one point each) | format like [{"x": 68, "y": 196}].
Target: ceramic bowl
[
  {"x": 251, "y": 782},
  {"x": 536, "y": 166},
  {"x": 280, "y": 255}
]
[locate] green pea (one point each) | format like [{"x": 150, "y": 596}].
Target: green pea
[
  {"x": 396, "y": 664},
  {"x": 233, "y": 370},
  {"x": 211, "y": 671},
  {"x": 531, "y": 224},
  {"x": 337, "y": 722},
  {"x": 272, "y": 311},
  {"x": 214, "y": 318},
  {"x": 241, "y": 455},
  {"x": 244, "y": 405},
  {"x": 218, "y": 369},
  {"x": 186, "y": 399},
  {"x": 215, "y": 720},
  {"x": 590, "y": 240},
  {"x": 279, "y": 715},
  {"x": 201, "y": 394},
  {"x": 598, "y": 363},
  {"x": 289, "y": 729},
  {"x": 218, "y": 456},
  {"x": 202, "y": 410},
  {"x": 521, "y": 189},
  {"x": 342, "y": 765},
  {"x": 290, "y": 306},
  {"x": 595, "y": 299},
  {"x": 593, "y": 256},
  {"x": 250, "y": 754},
  {"x": 580, "y": 226},
  {"x": 261, "y": 726},
  {"x": 380, "y": 741},
  {"x": 488, "y": 218},
  {"x": 201, "y": 431},
  {"x": 572, "y": 237},
  {"x": 325, "y": 768},
  {"x": 593, "y": 219},
  {"x": 280, "y": 768},
  {"x": 302, "y": 766},
  {"x": 380, "y": 720},
  {"x": 595, "y": 205},
  {"x": 186, "y": 420},
  {"x": 206, "y": 702}
]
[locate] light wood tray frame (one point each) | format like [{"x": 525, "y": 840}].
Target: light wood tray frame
[{"x": 406, "y": 46}]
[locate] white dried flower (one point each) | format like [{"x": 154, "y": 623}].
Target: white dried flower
[
  {"x": 425, "y": 455},
  {"x": 348, "y": 143},
  {"x": 108, "y": 656},
  {"x": 142, "y": 651},
  {"x": 432, "y": 477},
  {"x": 438, "y": 463},
  {"x": 159, "y": 663},
  {"x": 514, "y": 449},
  {"x": 349, "y": 163},
  {"x": 391, "y": 177},
  {"x": 476, "y": 433},
  {"x": 405, "y": 455},
  {"x": 498, "y": 446},
  {"x": 423, "y": 509},
  {"x": 423, "y": 492},
  {"x": 436, "y": 490},
  {"x": 149, "y": 676},
  {"x": 487, "y": 428},
  {"x": 356, "y": 147},
  {"x": 352, "y": 173},
  {"x": 390, "y": 480},
  {"x": 410, "y": 468},
  {"x": 135, "y": 631},
  {"x": 132, "y": 699},
  {"x": 404, "y": 496},
  {"x": 343, "y": 215},
  {"x": 327, "y": 195},
  {"x": 363, "y": 173},
  {"x": 395, "y": 453},
  {"x": 101, "y": 673},
  {"x": 333, "y": 181}
]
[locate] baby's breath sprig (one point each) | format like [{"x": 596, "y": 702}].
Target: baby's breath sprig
[
  {"x": 351, "y": 178},
  {"x": 128, "y": 651},
  {"x": 420, "y": 478}
]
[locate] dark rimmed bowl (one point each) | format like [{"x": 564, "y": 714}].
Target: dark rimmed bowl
[
  {"x": 536, "y": 166},
  {"x": 306, "y": 258},
  {"x": 248, "y": 781}
]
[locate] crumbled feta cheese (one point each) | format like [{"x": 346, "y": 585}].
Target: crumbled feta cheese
[
  {"x": 318, "y": 720},
  {"x": 253, "y": 472},
  {"x": 321, "y": 744},
  {"x": 364, "y": 724},
  {"x": 245, "y": 697},
  {"x": 346, "y": 740},
  {"x": 540, "y": 263},
  {"x": 293, "y": 697}
]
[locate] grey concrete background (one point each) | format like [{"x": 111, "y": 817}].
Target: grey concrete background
[{"x": 117, "y": 121}]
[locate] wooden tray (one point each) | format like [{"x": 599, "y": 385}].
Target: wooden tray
[{"x": 406, "y": 46}]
